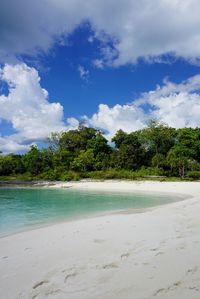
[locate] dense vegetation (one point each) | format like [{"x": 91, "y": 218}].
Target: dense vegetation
[{"x": 157, "y": 150}]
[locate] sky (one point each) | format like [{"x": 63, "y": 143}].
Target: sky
[{"x": 112, "y": 64}]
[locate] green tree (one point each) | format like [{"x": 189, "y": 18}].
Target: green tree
[
  {"x": 33, "y": 160},
  {"x": 47, "y": 158},
  {"x": 84, "y": 162},
  {"x": 159, "y": 161},
  {"x": 119, "y": 138},
  {"x": 101, "y": 151},
  {"x": 11, "y": 164},
  {"x": 189, "y": 139},
  {"x": 62, "y": 158},
  {"x": 76, "y": 140},
  {"x": 157, "y": 139},
  {"x": 17, "y": 161},
  {"x": 6, "y": 165},
  {"x": 178, "y": 159},
  {"x": 129, "y": 153}
]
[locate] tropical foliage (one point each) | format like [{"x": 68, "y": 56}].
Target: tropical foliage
[{"x": 157, "y": 150}]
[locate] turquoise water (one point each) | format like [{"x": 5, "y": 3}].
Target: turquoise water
[{"x": 26, "y": 208}]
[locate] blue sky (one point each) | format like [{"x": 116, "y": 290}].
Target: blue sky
[
  {"x": 119, "y": 85},
  {"x": 115, "y": 65}
]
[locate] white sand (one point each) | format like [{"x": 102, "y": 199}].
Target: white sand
[{"x": 155, "y": 254}]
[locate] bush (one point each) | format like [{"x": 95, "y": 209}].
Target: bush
[
  {"x": 110, "y": 174},
  {"x": 193, "y": 175},
  {"x": 51, "y": 175},
  {"x": 150, "y": 171},
  {"x": 70, "y": 176}
]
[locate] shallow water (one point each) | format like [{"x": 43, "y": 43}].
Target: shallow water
[{"x": 26, "y": 208}]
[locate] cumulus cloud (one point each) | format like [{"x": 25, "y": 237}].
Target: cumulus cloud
[
  {"x": 178, "y": 105},
  {"x": 7, "y": 145},
  {"x": 110, "y": 119},
  {"x": 128, "y": 29},
  {"x": 27, "y": 109},
  {"x": 33, "y": 117}
]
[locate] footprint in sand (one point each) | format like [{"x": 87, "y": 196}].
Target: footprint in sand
[
  {"x": 38, "y": 284},
  {"x": 44, "y": 289},
  {"x": 4, "y": 257},
  {"x": 154, "y": 249},
  {"x": 27, "y": 249},
  {"x": 68, "y": 276},
  {"x": 158, "y": 292},
  {"x": 110, "y": 266},
  {"x": 125, "y": 255},
  {"x": 159, "y": 253},
  {"x": 192, "y": 270},
  {"x": 193, "y": 288},
  {"x": 45, "y": 293},
  {"x": 167, "y": 289}
]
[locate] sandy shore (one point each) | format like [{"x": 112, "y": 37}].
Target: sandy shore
[{"x": 155, "y": 254}]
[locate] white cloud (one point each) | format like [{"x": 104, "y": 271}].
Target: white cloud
[
  {"x": 98, "y": 63},
  {"x": 178, "y": 105},
  {"x": 126, "y": 117},
  {"x": 73, "y": 123},
  {"x": 7, "y": 145},
  {"x": 33, "y": 117},
  {"x": 137, "y": 29},
  {"x": 27, "y": 108},
  {"x": 83, "y": 72},
  {"x": 29, "y": 27}
]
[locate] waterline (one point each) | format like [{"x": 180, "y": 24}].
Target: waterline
[{"x": 27, "y": 208}]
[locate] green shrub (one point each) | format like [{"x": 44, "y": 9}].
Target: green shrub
[
  {"x": 193, "y": 174},
  {"x": 110, "y": 174},
  {"x": 51, "y": 175},
  {"x": 70, "y": 176},
  {"x": 150, "y": 171}
]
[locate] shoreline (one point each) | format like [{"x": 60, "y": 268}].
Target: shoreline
[
  {"x": 142, "y": 255},
  {"x": 108, "y": 186},
  {"x": 180, "y": 188},
  {"x": 125, "y": 211},
  {"x": 48, "y": 183}
]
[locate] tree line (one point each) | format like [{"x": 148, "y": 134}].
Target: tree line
[{"x": 155, "y": 150}]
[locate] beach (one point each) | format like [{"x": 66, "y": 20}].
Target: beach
[{"x": 151, "y": 254}]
